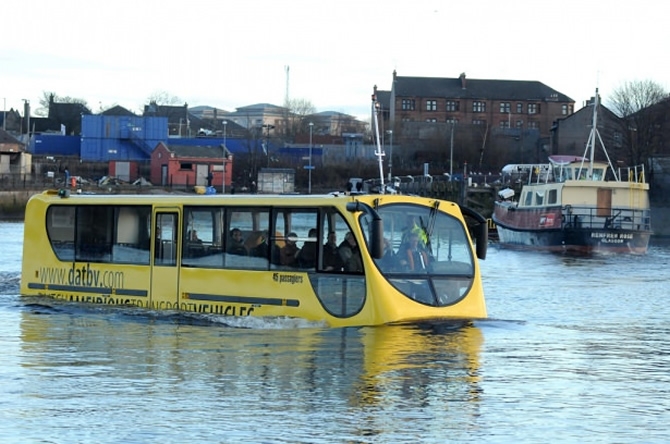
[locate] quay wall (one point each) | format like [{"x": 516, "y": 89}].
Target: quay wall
[{"x": 13, "y": 204}]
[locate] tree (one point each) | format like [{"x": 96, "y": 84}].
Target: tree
[
  {"x": 296, "y": 111},
  {"x": 640, "y": 104},
  {"x": 49, "y": 96},
  {"x": 633, "y": 96},
  {"x": 164, "y": 98}
]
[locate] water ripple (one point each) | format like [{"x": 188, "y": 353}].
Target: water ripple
[{"x": 575, "y": 350}]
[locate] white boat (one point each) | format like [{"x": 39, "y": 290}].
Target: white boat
[{"x": 577, "y": 204}]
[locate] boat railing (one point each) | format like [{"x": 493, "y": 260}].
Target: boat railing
[
  {"x": 527, "y": 173},
  {"x": 634, "y": 174},
  {"x": 606, "y": 218}
]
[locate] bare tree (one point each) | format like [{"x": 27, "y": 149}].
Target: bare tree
[
  {"x": 48, "y": 96},
  {"x": 640, "y": 104},
  {"x": 633, "y": 96},
  {"x": 296, "y": 111},
  {"x": 164, "y": 98}
]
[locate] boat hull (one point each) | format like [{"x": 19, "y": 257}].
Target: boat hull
[
  {"x": 578, "y": 241},
  {"x": 549, "y": 229}
]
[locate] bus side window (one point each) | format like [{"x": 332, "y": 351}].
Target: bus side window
[
  {"x": 94, "y": 231},
  {"x": 295, "y": 227},
  {"x": 251, "y": 247},
  {"x": 60, "y": 227},
  {"x": 130, "y": 242}
]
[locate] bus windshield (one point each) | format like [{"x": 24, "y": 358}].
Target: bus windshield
[{"x": 427, "y": 253}]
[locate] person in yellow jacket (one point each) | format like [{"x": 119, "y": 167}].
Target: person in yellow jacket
[
  {"x": 412, "y": 227},
  {"x": 413, "y": 256}
]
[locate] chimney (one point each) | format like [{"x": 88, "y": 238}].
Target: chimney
[
  {"x": 395, "y": 74},
  {"x": 462, "y": 77},
  {"x": 26, "y": 113},
  {"x": 589, "y": 102}
]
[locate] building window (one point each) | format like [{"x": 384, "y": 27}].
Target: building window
[
  {"x": 533, "y": 108},
  {"x": 432, "y": 120},
  {"x": 505, "y": 107},
  {"x": 452, "y": 121},
  {"x": 431, "y": 105},
  {"x": 478, "y": 107},
  {"x": 519, "y": 123},
  {"x": 519, "y": 108},
  {"x": 452, "y": 105},
  {"x": 479, "y": 122},
  {"x": 408, "y": 104},
  {"x": 504, "y": 124},
  {"x": 407, "y": 119},
  {"x": 618, "y": 139},
  {"x": 532, "y": 124},
  {"x": 564, "y": 109}
]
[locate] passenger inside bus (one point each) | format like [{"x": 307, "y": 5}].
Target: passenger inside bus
[
  {"x": 193, "y": 247},
  {"x": 257, "y": 244},
  {"x": 388, "y": 261},
  {"x": 236, "y": 243},
  {"x": 193, "y": 236},
  {"x": 289, "y": 252},
  {"x": 307, "y": 254},
  {"x": 332, "y": 261},
  {"x": 351, "y": 254}
]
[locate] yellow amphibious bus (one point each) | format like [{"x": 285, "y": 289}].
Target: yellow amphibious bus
[{"x": 340, "y": 260}]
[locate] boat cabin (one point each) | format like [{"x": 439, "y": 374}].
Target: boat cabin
[{"x": 576, "y": 168}]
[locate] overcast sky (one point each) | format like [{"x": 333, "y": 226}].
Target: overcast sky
[{"x": 230, "y": 54}]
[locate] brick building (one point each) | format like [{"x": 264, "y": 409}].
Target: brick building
[
  {"x": 496, "y": 103},
  {"x": 570, "y": 134},
  {"x": 422, "y": 112},
  {"x": 183, "y": 165}
]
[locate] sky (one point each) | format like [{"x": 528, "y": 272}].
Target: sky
[{"x": 230, "y": 54}]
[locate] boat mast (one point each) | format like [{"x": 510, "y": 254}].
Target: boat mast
[
  {"x": 592, "y": 135},
  {"x": 378, "y": 151},
  {"x": 591, "y": 143}
]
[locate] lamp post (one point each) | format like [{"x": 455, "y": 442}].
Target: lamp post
[
  {"x": 26, "y": 111},
  {"x": 451, "y": 154},
  {"x": 268, "y": 127},
  {"x": 225, "y": 150},
  {"x": 309, "y": 169},
  {"x": 390, "y": 133}
]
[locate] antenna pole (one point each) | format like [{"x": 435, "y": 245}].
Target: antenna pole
[{"x": 379, "y": 152}]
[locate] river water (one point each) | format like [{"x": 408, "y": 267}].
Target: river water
[{"x": 575, "y": 350}]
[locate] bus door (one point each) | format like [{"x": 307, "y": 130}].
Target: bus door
[{"x": 165, "y": 270}]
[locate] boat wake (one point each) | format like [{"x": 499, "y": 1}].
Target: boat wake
[{"x": 48, "y": 306}]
